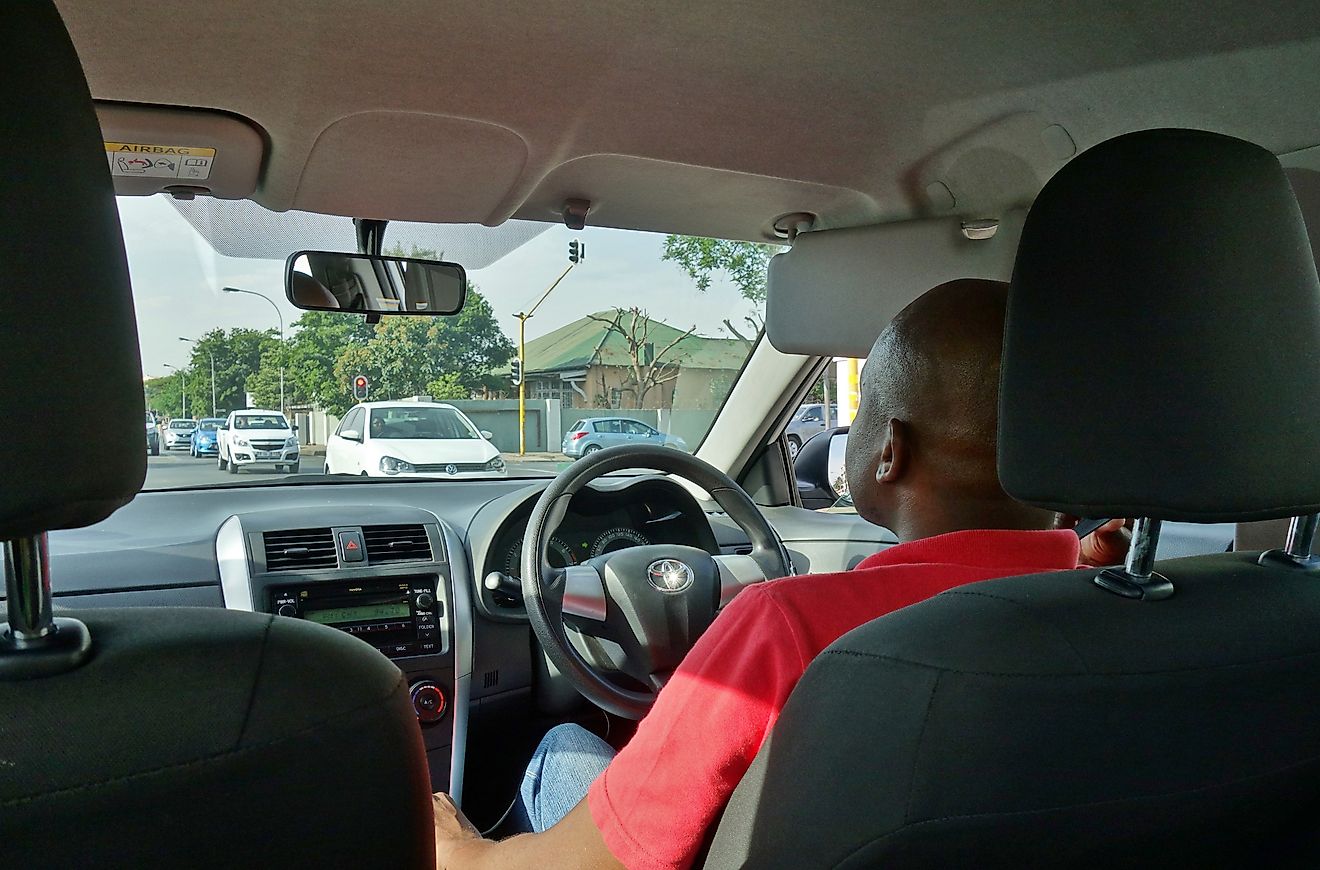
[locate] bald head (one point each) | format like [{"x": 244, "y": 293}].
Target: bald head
[{"x": 921, "y": 451}]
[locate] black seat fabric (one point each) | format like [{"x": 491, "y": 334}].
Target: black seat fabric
[
  {"x": 1036, "y": 722},
  {"x": 1163, "y": 314},
  {"x": 188, "y": 738},
  {"x": 210, "y": 738}
]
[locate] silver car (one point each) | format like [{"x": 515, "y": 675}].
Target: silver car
[
  {"x": 589, "y": 435},
  {"x": 807, "y": 421},
  {"x": 179, "y": 433}
]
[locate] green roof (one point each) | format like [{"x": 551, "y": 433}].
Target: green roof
[{"x": 588, "y": 342}]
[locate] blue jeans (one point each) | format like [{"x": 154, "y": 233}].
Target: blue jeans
[{"x": 562, "y": 769}]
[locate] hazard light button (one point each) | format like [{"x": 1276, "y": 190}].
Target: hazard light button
[{"x": 351, "y": 548}]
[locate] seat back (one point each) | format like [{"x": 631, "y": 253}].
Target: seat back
[
  {"x": 151, "y": 737},
  {"x": 1163, "y": 313}
]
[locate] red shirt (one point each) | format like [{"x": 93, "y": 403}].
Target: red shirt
[{"x": 655, "y": 801}]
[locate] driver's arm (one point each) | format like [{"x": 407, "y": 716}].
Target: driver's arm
[{"x": 653, "y": 804}]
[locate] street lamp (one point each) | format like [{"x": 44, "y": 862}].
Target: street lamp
[
  {"x": 183, "y": 373},
  {"x": 212, "y": 356},
  {"x": 280, "y": 315}
]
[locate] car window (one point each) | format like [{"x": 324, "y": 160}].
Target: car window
[
  {"x": 260, "y": 421},
  {"x": 353, "y": 421},
  {"x": 837, "y": 385},
  {"x": 610, "y": 427},
  {"x": 632, "y": 427},
  {"x": 579, "y": 426},
  {"x": 183, "y": 424},
  {"x": 421, "y": 423}
]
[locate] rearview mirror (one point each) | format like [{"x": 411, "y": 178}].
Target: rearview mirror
[{"x": 366, "y": 284}]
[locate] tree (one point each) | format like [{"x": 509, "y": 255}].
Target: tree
[
  {"x": 239, "y": 354},
  {"x": 744, "y": 263},
  {"x": 648, "y": 365},
  {"x": 407, "y": 355},
  {"x": 447, "y": 387},
  {"x": 309, "y": 362}
]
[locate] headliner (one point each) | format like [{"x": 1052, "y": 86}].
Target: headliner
[{"x": 697, "y": 117}]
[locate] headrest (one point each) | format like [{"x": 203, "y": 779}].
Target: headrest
[
  {"x": 70, "y": 338},
  {"x": 1162, "y": 344},
  {"x": 309, "y": 292}
]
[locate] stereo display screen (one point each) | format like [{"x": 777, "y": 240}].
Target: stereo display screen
[{"x": 359, "y": 613}]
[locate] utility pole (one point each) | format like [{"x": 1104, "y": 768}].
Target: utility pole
[
  {"x": 212, "y": 356},
  {"x": 577, "y": 252}
]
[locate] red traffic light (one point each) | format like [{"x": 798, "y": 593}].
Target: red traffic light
[
  {"x": 359, "y": 382},
  {"x": 360, "y": 385}
]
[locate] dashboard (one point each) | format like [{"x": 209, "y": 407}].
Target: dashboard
[{"x": 396, "y": 563}]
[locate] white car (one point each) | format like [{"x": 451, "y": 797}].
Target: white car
[
  {"x": 257, "y": 438},
  {"x": 417, "y": 439},
  {"x": 179, "y": 433}
]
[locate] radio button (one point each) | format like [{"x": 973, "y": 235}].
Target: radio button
[
  {"x": 429, "y": 646},
  {"x": 287, "y": 610},
  {"x": 424, "y": 601}
]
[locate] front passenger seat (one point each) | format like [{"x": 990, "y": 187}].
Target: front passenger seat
[
  {"x": 163, "y": 737},
  {"x": 1162, "y": 324}
]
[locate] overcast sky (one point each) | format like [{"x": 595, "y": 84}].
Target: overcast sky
[{"x": 177, "y": 280}]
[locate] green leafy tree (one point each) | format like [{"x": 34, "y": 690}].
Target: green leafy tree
[
  {"x": 238, "y": 356},
  {"x": 744, "y": 263},
  {"x": 309, "y": 362},
  {"x": 447, "y": 387}
]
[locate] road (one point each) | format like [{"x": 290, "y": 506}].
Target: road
[{"x": 175, "y": 469}]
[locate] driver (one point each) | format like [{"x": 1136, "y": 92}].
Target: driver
[{"x": 920, "y": 462}]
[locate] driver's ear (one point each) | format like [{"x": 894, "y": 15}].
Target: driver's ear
[{"x": 893, "y": 452}]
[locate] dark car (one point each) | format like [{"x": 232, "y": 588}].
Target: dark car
[{"x": 204, "y": 437}]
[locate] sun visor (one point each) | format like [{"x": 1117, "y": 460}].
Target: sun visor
[
  {"x": 152, "y": 149},
  {"x": 835, "y": 290}
]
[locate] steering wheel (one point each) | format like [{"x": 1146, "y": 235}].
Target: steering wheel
[{"x": 652, "y": 601}]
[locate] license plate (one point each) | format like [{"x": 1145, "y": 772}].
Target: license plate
[{"x": 268, "y": 454}]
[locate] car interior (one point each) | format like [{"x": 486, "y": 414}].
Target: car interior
[{"x": 281, "y": 672}]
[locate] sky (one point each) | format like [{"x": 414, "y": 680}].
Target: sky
[{"x": 177, "y": 279}]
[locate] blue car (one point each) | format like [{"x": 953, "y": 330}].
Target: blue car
[
  {"x": 590, "y": 435},
  {"x": 203, "y": 437}
]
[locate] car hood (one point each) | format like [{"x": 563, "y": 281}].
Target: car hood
[{"x": 433, "y": 450}]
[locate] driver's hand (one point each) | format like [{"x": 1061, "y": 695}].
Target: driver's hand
[
  {"x": 1107, "y": 545},
  {"x": 454, "y": 834}
]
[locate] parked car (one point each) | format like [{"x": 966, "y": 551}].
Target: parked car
[
  {"x": 418, "y": 439},
  {"x": 153, "y": 435},
  {"x": 205, "y": 440},
  {"x": 256, "y": 437},
  {"x": 179, "y": 433},
  {"x": 806, "y": 423},
  {"x": 590, "y": 435}
]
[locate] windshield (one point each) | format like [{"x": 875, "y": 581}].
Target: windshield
[
  {"x": 647, "y": 327},
  {"x": 262, "y": 421},
  {"x": 429, "y": 423},
  {"x": 182, "y": 424},
  {"x": 209, "y": 424}
]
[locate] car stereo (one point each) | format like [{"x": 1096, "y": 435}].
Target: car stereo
[{"x": 397, "y": 615}]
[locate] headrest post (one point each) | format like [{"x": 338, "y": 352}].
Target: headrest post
[
  {"x": 1138, "y": 579},
  {"x": 36, "y": 644},
  {"x": 27, "y": 587},
  {"x": 1296, "y": 552}
]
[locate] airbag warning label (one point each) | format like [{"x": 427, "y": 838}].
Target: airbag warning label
[{"x": 128, "y": 159}]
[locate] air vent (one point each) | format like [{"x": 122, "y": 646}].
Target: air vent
[
  {"x": 300, "y": 550},
  {"x": 396, "y": 544}
]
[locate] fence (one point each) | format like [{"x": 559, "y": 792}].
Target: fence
[{"x": 546, "y": 422}]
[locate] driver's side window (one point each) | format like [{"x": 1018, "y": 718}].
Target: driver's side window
[{"x": 813, "y": 442}]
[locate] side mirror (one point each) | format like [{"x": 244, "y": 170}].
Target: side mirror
[
  {"x": 294, "y": 427},
  {"x": 351, "y": 435},
  {"x": 819, "y": 468},
  {"x": 487, "y": 434}
]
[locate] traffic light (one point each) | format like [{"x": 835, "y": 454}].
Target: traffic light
[
  {"x": 360, "y": 386},
  {"x": 515, "y": 371},
  {"x": 577, "y": 251}
]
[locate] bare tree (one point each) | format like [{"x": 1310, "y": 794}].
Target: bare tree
[{"x": 648, "y": 366}]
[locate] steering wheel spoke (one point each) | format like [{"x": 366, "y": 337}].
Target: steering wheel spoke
[
  {"x": 584, "y": 596},
  {"x": 737, "y": 572}
]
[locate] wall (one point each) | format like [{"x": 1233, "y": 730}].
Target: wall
[{"x": 500, "y": 418}]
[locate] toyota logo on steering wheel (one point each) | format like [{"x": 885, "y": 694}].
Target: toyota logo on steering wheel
[{"x": 669, "y": 575}]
